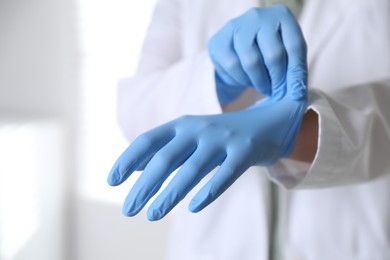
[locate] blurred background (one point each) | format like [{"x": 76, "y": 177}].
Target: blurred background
[{"x": 60, "y": 61}]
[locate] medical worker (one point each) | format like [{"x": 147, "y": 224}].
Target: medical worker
[{"x": 314, "y": 126}]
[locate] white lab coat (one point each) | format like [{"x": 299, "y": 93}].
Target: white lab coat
[{"x": 336, "y": 208}]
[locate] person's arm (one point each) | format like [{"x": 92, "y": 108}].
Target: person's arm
[
  {"x": 352, "y": 107},
  {"x": 307, "y": 139},
  {"x": 353, "y": 128}
]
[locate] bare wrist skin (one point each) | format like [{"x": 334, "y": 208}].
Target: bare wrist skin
[
  {"x": 307, "y": 140},
  {"x": 249, "y": 97}
]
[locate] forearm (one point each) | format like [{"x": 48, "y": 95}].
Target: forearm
[
  {"x": 306, "y": 143},
  {"x": 248, "y": 98}
]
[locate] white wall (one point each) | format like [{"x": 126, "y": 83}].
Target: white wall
[
  {"x": 103, "y": 233},
  {"x": 40, "y": 66},
  {"x": 38, "y": 93},
  {"x": 32, "y": 192}
]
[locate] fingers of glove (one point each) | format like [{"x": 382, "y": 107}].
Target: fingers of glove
[
  {"x": 226, "y": 78},
  {"x": 145, "y": 162},
  {"x": 296, "y": 49},
  {"x": 193, "y": 170},
  {"x": 247, "y": 49},
  {"x": 225, "y": 59},
  {"x": 163, "y": 163},
  {"x": 139, "y": 151},
  {"x": 233, "y": 166},
  {"x": 275, "y": 57}
]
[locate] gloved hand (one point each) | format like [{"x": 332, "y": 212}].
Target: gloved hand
[
  {"x": 263, "y": 48},
  {"x": 236, "y": 141}
]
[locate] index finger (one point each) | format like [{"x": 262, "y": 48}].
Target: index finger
[{"x": 140, "y": 150}]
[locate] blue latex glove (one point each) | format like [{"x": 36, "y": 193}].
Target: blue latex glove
[
  {"x": 263, "y": 48},
  {"x": 236, "y": 141}
]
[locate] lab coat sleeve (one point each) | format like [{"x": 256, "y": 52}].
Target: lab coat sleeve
[
  {"x": 353, "y": 71},
  {"x": 353, "y": 143},
  {"x": 166, "y": 84}
]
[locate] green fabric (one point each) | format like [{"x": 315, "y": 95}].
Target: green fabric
[
  {"x": 278, "y": 199},
  {"x": 294, "y": 5},
  {"x": 274, "y": 238},
  {"x": 278, "y": 195}
]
